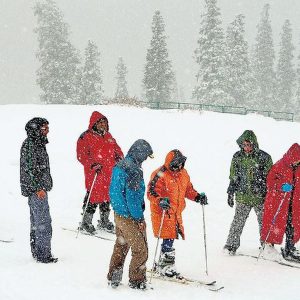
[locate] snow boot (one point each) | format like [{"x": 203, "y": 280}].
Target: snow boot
[
  {"x": 104, "y": 223},
  {"x": 116, "y": 278},
  {"x": 166, "y": 264},
  {"x": 87, "y": 223},
  {"x": 138, "y": 285},
  {"x": 229, "y": 250},
  {"x": 291, "y": 255},
  {"x": 47, "y": 260}
]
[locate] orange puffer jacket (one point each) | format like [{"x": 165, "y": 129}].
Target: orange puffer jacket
[{"x": 176, "y": 186}]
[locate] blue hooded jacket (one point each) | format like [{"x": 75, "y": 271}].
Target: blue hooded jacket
[{"x": 127, "y": 187}]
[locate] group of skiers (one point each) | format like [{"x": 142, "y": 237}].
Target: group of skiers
[{"x": 112, "y": 179}]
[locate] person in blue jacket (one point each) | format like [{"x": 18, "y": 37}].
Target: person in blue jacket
[{"x": 127, "y": 191}]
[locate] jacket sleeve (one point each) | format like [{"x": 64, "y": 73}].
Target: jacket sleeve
[
  {"x": 190, "y": 193},
  {"x": 232, "y": 177},
  {"x": 83, "y": 151},
  {"x": 118, "y": 152},
  {"x": 30, "y": 173},
  {"x": 275, "y": 179},
  {"x": 156, "y": 186}
]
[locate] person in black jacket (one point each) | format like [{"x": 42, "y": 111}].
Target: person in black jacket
[{"x": 36, "y": 181}]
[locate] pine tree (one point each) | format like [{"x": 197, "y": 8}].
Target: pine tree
[
  {"x": 92, "y": 91},
  {"x": 297, "y": 95},
  {"x": 121, "y": 89},
  {"x": 210, "y": 56},
  {"x": 158, "y": 74},
  {"x": 59, "y": 73},
  {"x": 239, "y": 78},
  {"x": 285, "y": 74},
  {"x": 263, "y": 64}
]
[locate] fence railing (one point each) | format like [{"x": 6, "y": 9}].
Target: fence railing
[{"x": 277, "y": 115}]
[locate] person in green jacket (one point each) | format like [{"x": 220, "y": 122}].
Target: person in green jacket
[{"x": 248, "y": 172}]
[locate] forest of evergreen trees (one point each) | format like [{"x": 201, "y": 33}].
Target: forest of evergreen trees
[{"x": 230, "y": 71}]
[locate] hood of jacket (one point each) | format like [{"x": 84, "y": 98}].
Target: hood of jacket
[
  {"x": 33, "y": 129},
  {"x": 248, "y": 135},
  {"x": 292, "y": 155},
  {"x": 139, "y": 151},
  {"x": 95, "y": 117},
  {"x": 173, "y": 159}
]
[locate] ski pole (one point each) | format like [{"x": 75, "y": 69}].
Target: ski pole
[
  {"x": 204, "y": 235},
  {"x": 272, "y": 224},
  {"x": 86, "y": 205},
  {"x": 159, "y": 233}
]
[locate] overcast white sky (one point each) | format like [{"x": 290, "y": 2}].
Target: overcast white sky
[{"x": 122, "y": 28}]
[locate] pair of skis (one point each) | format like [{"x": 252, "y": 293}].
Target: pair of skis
[
  {"x": 211, "y": 285},
  {"x": 280, "y": 261},
  {"x": 99, "y": 234}
]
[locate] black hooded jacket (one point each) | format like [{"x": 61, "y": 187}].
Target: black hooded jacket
[{"x": 34, "y": 161}]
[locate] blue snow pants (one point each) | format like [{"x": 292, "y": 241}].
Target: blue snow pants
[{"x": 40, "y": 227}]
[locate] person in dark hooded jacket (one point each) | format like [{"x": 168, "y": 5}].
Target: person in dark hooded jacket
[
  {"x": 248, "y": 173},
  {"x": 36, "y": 181},
  {"x": 127, "y": 191}
]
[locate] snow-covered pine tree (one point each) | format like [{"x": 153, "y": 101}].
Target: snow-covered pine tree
[
  {"x": 158, "y": 74},
  {"x": 92, "y": 90},
  {"x": 210, "y": 56},
  {"x": 121, "y": 89},
  {"x": 285, "y": 73},
  {"x": 263, "y": 63},
  {"x": 174, "y": 91},
  {"x": 297, "y": 94},
  {"x": 239, "y": 78},
  {"x": 59, "y": 73}
]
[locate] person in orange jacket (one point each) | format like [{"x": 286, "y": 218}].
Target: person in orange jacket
[{"x": 168, "y": 187}]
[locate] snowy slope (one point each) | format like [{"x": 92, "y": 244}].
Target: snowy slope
[{"x": 207, "y": 139}]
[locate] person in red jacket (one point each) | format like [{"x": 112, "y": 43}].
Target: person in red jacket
[
  {"x": 98, "y": 152},
  {"x": 282, "y": 205}
]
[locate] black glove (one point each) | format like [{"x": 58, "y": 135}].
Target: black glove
[
  {"x": 96, "y": 167},
  {"x": 230, "y": 200},
  {"x": 164, "y": 203},
  {"x": 201, "y": 198}
]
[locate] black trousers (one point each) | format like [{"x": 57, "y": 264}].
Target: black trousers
[
  {"x": 91, "y": 208},
  {"x": 289, "y": 232}
]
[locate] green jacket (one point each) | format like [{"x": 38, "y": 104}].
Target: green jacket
[{"x": 248, "y": 172}]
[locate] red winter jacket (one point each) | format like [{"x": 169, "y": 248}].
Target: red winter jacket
[
  {"x": 282, "y": 172},
  {"x": 93, "y": 148}
]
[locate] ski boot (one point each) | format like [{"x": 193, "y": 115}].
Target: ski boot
[
  {"x": 166, "y": 265},
  {"x": 116, "y": 278},
  {"x": 291, "y": 255},
  {"x": 87, "y": 224},
  {"x": 104, "y": 223}
]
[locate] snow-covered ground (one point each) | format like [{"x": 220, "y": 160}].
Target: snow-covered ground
[{"x": 207, "y": 139}]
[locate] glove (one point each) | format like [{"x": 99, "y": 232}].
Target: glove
[
  {"x": 286, "y": 187},
  {"x": 164, "y": 203},
  {"x": 96, "y": 167},
  {"x": 201, "y": 198},
  {"x": 41, "y": 194},
  {"x": 230, "y": 200}
]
